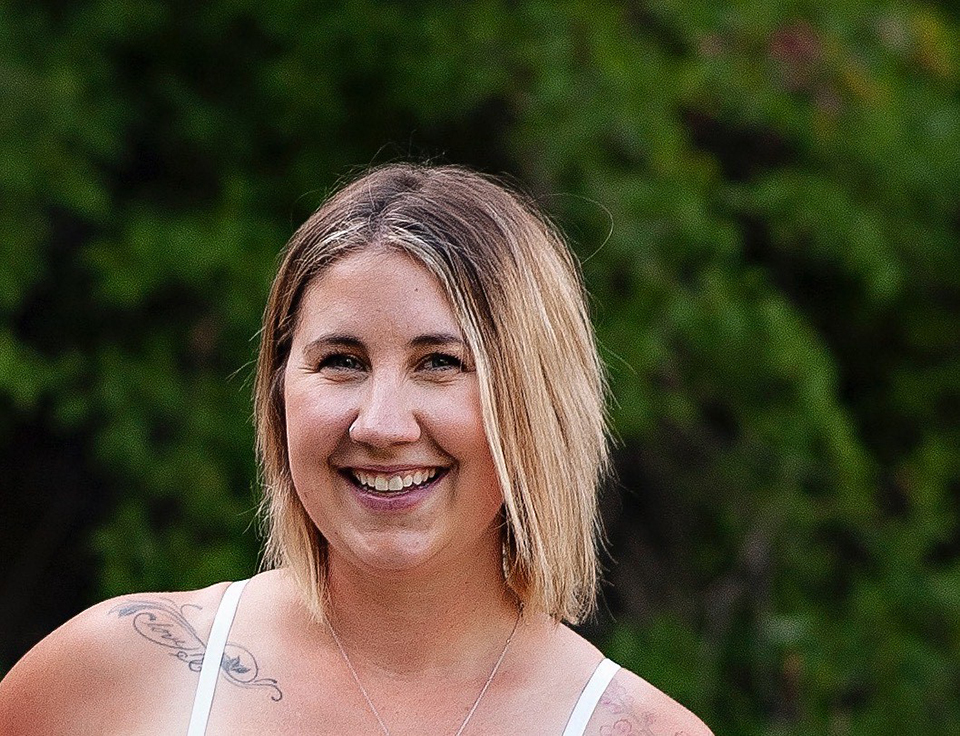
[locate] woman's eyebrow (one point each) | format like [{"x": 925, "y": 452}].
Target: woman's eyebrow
[
  {"x": 433, "y": 339},
  {"x": 331, "y": 340},
  {"x": 437, "y": 339}
]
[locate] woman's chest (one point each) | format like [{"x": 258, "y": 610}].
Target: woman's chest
[{"x": 342, "y": 709}]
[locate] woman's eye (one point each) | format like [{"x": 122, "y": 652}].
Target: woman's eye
[
  {"x": 340, "y": 362},
  {"x": 441, "y": 362}
]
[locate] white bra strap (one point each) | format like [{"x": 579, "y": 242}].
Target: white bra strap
[
  {"x": 212, "y": 657},
  {"x": 592, "y": 692}
]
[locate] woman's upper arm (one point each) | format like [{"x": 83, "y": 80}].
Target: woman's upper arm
[
  {"x": 127, "y": 665},
  {"x": 64, "y": 684}
]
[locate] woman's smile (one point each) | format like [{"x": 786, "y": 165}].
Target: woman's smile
[
  {"x": 394, "y": 493},
  {"x": 385, "y": 430}
]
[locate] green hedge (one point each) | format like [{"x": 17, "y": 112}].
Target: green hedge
[{"x": 764, "y": 196}]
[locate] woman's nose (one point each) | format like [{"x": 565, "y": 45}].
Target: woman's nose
[{"x": 385, "y": 417}]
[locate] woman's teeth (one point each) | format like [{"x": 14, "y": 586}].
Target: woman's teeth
[{"x": 397, "y": 482}]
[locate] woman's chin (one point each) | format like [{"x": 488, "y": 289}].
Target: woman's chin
[
  {"x": 430, "y": 549},
  {"x": 394, "y": 552}
]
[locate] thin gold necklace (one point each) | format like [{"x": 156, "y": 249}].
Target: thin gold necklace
[{"x": 473, "y": 708}]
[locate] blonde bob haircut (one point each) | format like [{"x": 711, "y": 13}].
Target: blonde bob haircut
[{"x": 516, "y": 290}]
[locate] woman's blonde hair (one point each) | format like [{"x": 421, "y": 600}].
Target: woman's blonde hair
[{"x": 516, "y": 290}]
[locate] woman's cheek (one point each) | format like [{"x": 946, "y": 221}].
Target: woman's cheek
[{"x": 316, "y": 424}]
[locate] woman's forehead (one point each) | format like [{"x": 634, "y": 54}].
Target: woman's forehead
[{"x": 378, "y": 291}]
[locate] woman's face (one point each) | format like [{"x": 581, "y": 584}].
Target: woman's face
[{"x": 384, "y": 428}]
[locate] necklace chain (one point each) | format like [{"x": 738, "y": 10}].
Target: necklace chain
[{"x": 473, "y": 708}]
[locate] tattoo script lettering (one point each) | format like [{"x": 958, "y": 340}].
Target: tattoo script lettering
[{"x": 162, "y": 622}]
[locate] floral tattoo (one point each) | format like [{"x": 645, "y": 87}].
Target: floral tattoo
[
  {"x": 162, "y": 622},
  {"x": 620, "y": 717}
]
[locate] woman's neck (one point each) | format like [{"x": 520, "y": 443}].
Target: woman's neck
[{"x": 411, "y": 622}]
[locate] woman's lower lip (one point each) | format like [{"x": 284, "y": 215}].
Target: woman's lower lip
[{"x": 395, "y": 500}]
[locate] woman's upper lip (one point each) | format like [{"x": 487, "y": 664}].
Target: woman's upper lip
[{"x": 391, "y": 468}]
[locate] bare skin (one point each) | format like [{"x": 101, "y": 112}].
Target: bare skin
[{"x": 99, "y": 674}]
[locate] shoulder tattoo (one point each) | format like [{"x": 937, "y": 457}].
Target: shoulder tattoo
[
  {"x": 618, "y": 716},
  {"x": 162, "y": 622}
]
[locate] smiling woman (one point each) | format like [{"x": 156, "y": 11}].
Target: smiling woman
[
  {"x": 430, "y": 420},
  {"x": 383, "y": 416},
  {"x": 500, "y": 280}
]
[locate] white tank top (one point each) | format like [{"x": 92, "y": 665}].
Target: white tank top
[{"x": 213, "y": 656}]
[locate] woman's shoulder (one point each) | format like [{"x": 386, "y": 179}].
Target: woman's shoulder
[
  {"x": 106, "y": 665},
  {"x": 631, "y": 705}
]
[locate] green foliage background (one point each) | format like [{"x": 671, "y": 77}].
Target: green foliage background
[{"x": 764, "y": 196}]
